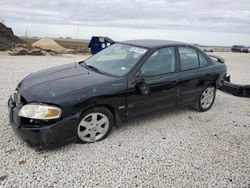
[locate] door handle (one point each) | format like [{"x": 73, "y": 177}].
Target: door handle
[{"x": 173, "y": 82}]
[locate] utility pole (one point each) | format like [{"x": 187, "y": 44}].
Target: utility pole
[{"x": 26, "y": 32}]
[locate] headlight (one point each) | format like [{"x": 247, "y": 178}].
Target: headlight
[{"x": 36, "y": 111}]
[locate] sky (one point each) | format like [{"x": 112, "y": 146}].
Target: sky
[{"x": 210, "y": 22}]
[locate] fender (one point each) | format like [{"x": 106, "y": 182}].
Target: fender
[{"x": 119, "y": 114}]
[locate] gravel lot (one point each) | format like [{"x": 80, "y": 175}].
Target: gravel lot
[{"x": 177, "y": 148}]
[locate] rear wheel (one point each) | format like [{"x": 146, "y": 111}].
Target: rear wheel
[
  {"x": 95, "y": 125},
  {"x": 206, "y": 99}
]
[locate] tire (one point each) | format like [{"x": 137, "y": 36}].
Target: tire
[
  {"x": 206, "y": 99},
  {"x": 95, "y": 125}
]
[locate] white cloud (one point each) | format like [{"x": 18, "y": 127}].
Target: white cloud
[
  {"x": 208, "y": 16},
  {"x": 217, "y": 15}
]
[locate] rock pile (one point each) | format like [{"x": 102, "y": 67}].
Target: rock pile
[
  {"x": 26, "y": 50},
  {"x": 7, "y": 38}
]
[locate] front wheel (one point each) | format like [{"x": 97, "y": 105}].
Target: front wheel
[
  {"x": 206, "y": 99},
  {"x": 95, "y": 125}
]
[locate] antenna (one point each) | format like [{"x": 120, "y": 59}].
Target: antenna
[{"x": 77, "y": 33}]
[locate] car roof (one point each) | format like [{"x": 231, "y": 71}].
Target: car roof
[{"x": 152, "y": 43}]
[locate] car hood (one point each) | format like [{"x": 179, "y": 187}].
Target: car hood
[{"x": 48, "y": 84}]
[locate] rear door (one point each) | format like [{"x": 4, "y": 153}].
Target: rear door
[
  {"x": 159, "y": 72},
  {"x": 195, "y": 74}
]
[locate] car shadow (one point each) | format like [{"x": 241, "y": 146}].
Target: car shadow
[{"x": 156, "y": 115}]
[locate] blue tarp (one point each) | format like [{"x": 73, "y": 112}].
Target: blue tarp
[{"x": 97, "y": 44}]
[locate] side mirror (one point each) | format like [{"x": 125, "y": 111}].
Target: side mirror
[{"x": 142, "y": 85}]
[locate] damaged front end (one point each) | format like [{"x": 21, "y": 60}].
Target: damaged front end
[{"x": 235, "y": 89}]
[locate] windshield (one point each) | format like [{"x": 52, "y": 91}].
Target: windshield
[{"x": 117, "y": 59}]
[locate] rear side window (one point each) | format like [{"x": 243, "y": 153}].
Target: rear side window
[
  {"x": 189, "y": 58},
  {"x": 203, "y": 60}
]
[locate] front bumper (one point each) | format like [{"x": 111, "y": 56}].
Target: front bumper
[{"x": 60, "y": 132}]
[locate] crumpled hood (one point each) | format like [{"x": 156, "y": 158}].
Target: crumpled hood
[{"x": 50, "y": 83}]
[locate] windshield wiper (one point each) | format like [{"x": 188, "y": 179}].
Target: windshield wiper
[
  {"x": 90, "y": 67},
  {"x": 94, "y": 69},
  {"x": 83, "y": 64}
]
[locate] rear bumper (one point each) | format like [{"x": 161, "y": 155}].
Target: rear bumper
[
  {"x": 235, "y": 89},
  {"x": 58, "y": 133}
]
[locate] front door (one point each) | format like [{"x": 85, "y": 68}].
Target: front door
[{"x": 159, "y": 73}]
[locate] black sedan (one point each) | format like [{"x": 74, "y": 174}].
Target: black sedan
[
  {"x": 237, "y": 48},
  {"x": 84, "y": 100}
]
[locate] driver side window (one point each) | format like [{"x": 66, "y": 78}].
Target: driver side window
[{"x": 162, "y": 61}]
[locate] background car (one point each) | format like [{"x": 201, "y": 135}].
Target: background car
[
  {"x": 245, "y": 50},
  {"x": 237, "y": 48},
  {"x": 208, "y": 50},
  {"x": 204, "y": 48}
]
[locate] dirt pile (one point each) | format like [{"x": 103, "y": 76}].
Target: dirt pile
[
  {"x": 49, "y": 45},
  {"x": 7, "y": 38}
]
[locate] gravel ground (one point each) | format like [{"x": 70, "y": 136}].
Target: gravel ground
[{"x": 177, "y": 148}]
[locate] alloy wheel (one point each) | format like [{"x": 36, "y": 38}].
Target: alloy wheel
[
  {"x": 207, "y": 97},
  {"x": 93, "y": 127}
]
